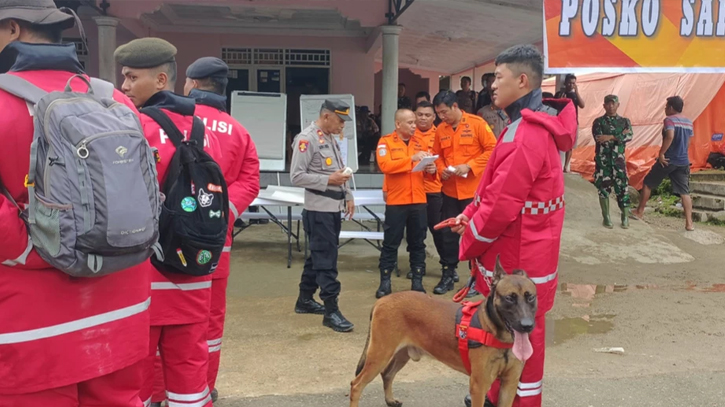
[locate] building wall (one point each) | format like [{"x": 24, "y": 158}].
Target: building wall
[{"x": 351, "y": 68}]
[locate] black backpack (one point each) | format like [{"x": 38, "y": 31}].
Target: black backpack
[{"x": 194, "y": 216}]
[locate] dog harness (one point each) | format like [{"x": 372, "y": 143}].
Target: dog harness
[{"x": 470, "y": 334}]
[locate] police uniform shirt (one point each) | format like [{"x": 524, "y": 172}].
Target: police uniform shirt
[{"x": 316, "y": 156}]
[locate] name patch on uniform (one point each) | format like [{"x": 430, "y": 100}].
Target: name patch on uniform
[
  {"x": 328, "y": 161},
  {"x": 303, "y": 145},
  {"x": 214, "y": 188}
]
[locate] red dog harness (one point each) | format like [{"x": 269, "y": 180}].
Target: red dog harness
[{"x": 467, "y": 333}]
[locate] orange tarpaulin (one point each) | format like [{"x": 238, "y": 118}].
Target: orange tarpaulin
[{"x": 642, "y": 99}]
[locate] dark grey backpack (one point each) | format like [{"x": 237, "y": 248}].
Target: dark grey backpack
[{"x": 94, "y": 199}]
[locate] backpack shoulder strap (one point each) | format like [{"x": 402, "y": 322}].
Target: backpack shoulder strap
[
  {"x": 21, "y": 88},
  {"x": 198, "y": 132},
  {"x": 166, "y": 123},
  {"x": 102, "y": 88}
]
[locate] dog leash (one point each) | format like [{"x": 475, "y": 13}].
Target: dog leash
[{"x": 463, "y": 292}]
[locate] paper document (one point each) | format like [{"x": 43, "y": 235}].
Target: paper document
[{"x": 424, "y": 163}]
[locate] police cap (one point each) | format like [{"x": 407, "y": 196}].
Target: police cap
[
  {"x": 145, "y": 53},
  {"x": 339, "y": 107}
]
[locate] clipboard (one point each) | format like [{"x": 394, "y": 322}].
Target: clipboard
[{"x": 424, "y": 163}]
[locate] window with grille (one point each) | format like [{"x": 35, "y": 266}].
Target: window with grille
[
  {"x": 307, "y": 57},
  {"x": 237, "y": 56},
  {"x": 268, "y": 56},
  {"x": 276, "y": 56}
]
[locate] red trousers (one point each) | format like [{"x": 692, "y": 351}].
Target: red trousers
[
  {"x": 184, "y": 357},
  {"x": 118, "y": 389},
  {"x": 528, "y": 394},
  {"x": 216, "y": 327}
]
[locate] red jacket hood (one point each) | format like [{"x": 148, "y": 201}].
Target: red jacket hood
[{"x": 558, "y": 117}]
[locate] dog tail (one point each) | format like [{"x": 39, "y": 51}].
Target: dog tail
[{"x": 364, "y": 355}]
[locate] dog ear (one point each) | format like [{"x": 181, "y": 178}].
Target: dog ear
[
  {"x": 499, "y": 272},
  {"x": 519, "y": 272}
]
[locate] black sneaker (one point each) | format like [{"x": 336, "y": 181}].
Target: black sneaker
[
  {"x": 337, "y": 322},
  {"x": 309, "y": 306}
]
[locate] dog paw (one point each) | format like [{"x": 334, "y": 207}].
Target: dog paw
[{"x": 393, "y": 403}]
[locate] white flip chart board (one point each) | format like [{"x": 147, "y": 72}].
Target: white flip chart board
[
  {"x": 310, "y": 110},
  {"x": 264, "y": 115}
]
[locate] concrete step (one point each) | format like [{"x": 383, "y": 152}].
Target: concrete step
[
  {"x": 698, "y": 215},
  {"x": 708, "y": 202},
  {"x": 708, "y": 187},
  {"x": 707, "y": 176}
]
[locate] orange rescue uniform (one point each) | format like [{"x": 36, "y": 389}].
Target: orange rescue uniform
[
  {"x": 471, "y": 143},
  {"x": 432, "y": 184},
  {"x": 395, "y": 160}
]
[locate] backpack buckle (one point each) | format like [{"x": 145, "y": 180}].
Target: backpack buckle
[{"x": 28, "y": 184}]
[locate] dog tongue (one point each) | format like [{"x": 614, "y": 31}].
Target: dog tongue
[{"x": 522, "y": 346}]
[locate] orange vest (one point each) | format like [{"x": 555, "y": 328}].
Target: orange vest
[
  {"x": 471, "y": 143},
  {"x": 395, "y": 161},
  {"x": 432, "y": 184}
]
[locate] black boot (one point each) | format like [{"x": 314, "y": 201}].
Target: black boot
[
  {"x": 410, "y": 274},
  {"x": 417, "y": 284},
  {"x": 155, "y": 405},
  {"x": 487, "y": 403},
  {"x": 334, "y": 319},
  {"x": 455, "y": 276},
  {"x": 446, "y": 283},
  {"x": 306, "y": 305},
  {"x": 384, "y": 288},
  {"x": 214, "y": 395}
]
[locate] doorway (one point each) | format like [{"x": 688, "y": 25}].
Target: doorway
[{"x": 238, "y": 81}]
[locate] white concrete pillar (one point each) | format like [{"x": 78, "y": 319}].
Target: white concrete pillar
[
  {"x": 106, "y": 47},
  {"x": 391, "y": 35}
]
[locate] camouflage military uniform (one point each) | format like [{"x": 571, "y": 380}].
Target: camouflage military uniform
[{"x": 611, "y": 165}]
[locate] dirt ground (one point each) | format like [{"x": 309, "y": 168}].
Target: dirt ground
[{"x": 655, "y": 290}]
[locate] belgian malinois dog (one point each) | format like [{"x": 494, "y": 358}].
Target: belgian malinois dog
[{"x": 408, "y": 325}]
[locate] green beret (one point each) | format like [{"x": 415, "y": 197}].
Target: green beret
[{"x": 145, "y": 53}]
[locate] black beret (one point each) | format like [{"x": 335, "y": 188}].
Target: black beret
[
  {"x": 145, "y": 53},
  {"x": 207, "y": 67},
  {"x": 339, "y": 107}
]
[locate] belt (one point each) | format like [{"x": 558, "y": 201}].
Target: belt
[{"x": 328, "y": 193}]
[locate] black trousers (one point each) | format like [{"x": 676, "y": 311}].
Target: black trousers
[
  {"x": 435, "y": 216},
  {"x": 398, "y": 218},
  {"x": 320, "y": 271},
  {"x": 452, "y": 207}
]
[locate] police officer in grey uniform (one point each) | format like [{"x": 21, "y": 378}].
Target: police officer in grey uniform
[{"x": 317, "y": 166}]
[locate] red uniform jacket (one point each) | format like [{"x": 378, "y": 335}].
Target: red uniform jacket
[
  {"x": 176, "y": 298},
  {"x": 518, "y": 209},
  {"x": 239, "y": 163},
  {"x": 56, "y": 330}
]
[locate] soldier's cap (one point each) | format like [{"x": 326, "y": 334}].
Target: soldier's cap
[
  {"x": 339, "y": 107},
  {"x": 145, "y": 53},
  {"x": 40, "y": 12},
  {"x": 611, "y": 98},
  {"x": 207, "y": 67}
]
